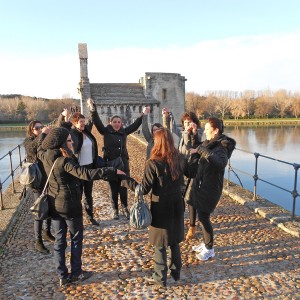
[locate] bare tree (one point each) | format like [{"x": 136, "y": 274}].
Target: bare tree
[
  {"x": 282, "y": 102},
  {"x": 295, "y": 105}
]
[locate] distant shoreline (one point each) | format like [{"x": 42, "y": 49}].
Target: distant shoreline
[{"x": 228, "y": 122}]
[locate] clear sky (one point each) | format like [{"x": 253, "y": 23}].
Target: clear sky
[{"x": 216, "y": 44}]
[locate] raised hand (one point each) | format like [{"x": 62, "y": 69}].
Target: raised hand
[{"x": 90, "y": 103}]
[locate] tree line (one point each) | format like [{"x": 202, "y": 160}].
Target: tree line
[
  {"x": 22, "y": 109},
  {"x": 245, "y": 105}
]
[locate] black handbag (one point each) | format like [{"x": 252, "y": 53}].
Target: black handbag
[
  {"x": 40, "y": 207},
  {"x": 116, "y": 163}
]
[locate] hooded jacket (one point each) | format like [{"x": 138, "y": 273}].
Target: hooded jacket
[{"x": 208, "y": 184}]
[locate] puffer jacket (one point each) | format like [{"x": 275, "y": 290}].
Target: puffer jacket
[
  {"x": 31, "y": 145},
  {"x": 64, "y": 184},
  {"x": 208, "y": 184}
]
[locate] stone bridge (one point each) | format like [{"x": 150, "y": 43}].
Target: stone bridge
[{"x": 255, "y": 259}]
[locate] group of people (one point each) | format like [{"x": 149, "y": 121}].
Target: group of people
[{"x": 191, "y": 172}]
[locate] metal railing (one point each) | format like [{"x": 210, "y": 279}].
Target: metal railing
[
  {"x": 12, "y": 171},
  {"x": 256, "y": 177}
]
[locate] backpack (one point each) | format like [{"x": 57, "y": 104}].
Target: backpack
[
  {"x": 30, "y": 175},
  {"x": 140, "y": 214}
]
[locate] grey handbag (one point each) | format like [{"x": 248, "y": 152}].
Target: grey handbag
[
  {"x": 30, "y": 174},
  {"x": 140, "y": 214}
]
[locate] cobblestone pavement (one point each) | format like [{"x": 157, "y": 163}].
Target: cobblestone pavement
[{"x": 254, "y": 259}]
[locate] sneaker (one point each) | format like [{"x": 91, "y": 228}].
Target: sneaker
[
  {"x": 64, "y": 281},
  {"x": 94, "y": 222},
  {"x": 126, "y": 213},
  {"x": 206, "y": 254},
  {"x": 151, "y": 280},
  {"x": 83, "y": 276},
  {"x": 198, "y": 248},
  {"x": 115, "y": 215},
  {"x": 47, "y": 236}
]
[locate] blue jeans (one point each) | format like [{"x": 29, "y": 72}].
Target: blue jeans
[{"x": 60, "y": 226}]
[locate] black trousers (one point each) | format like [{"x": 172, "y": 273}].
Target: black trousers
[
  {"x": 192, "y": 214},
  {"x": 207, "y": 229},
  {"x": 87, "y": 189},
  {"x": 160, "y": 263},
  {"x": 115, "y": 191}
]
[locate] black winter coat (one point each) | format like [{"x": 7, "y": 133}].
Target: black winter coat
[
  {"x": 31, "y": 145},
  {"x": 77, "y": 137},
  {"x": 115, "y": 141},
  {"x": 167, "y": 205},
  {"x": 64, "y": 184},
  {"x": 208, "y": 184}
]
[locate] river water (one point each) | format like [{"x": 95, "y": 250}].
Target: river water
[{"x": 281, "y": 143}]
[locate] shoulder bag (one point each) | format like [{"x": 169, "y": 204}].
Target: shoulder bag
[
  {"x": 140, "y": 214},
  {"x": 40, "y": 207},
  {"x": 117, "y": 163},
  {"x": 30, "y": 174}
]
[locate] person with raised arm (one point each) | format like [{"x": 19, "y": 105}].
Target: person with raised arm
[{"x": 115, "y": 140}]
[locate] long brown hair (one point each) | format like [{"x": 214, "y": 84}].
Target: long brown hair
[
  {"x": 164, "y": 150},
  {"x": 29, "y": 130}
]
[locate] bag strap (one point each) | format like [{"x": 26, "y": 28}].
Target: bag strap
[{"x": 49, "y": 176}]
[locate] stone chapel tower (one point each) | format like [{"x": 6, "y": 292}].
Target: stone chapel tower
[{"x": 127, "y": 99}]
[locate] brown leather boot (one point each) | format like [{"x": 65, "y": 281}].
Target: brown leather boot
[{"x": 191, "y": 233}]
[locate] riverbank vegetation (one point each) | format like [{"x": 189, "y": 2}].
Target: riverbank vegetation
[
  {"x": 21, "y": 109},
  {"x": 245, "y": 105}
]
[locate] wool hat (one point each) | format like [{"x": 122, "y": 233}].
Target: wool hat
[{"x": 55, "y": 138}]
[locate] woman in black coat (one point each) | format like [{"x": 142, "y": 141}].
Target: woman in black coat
[
  {"x": 208, "y": 184},
  {"x": 115, "y": 138},
  {"x": 86, "y": 151},
  {"x": 64, "y": 196},
  {"x": 163, "y": 176},
  {"x": 35, "y": 132},
  {"x": 190, "y": 135}
]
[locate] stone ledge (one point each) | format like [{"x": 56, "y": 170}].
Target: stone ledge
[{"x": 276, "y": 214}]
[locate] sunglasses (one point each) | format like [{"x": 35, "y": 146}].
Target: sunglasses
[
  {"x": 69, "y": 140},
  {"x": 38, "y": 127}
]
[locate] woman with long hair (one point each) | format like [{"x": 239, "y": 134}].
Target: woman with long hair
[
  {"x": 86, "y": 151},
  {"x": 190, "y": 137},
  {"x": 207, "y": 186},
  {"x": 35, "y": 132},
  {"x": 163, "y": 176},
  {"x": 64, "y": 196}
]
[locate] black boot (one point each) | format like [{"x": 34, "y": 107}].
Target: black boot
[
  {"x": 39, "y": 246},
  {"x": 115, "y": 214},
  {"x": 93, "y": 222},
  {"x": 47, "y": 236}
]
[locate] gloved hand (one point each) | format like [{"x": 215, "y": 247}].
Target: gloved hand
[{"x": 203, "y": 151}]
